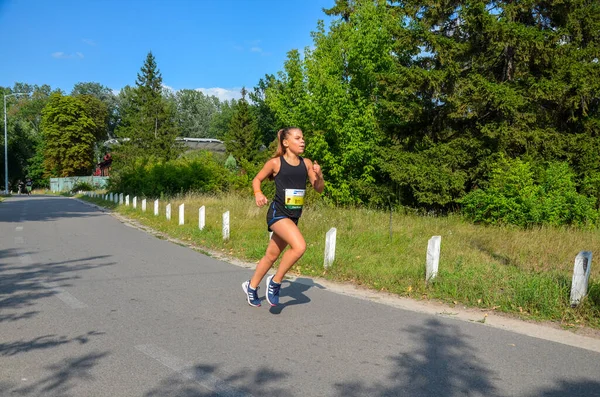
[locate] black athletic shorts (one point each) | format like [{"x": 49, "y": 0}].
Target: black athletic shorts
[{"x": 274, "y": 214}]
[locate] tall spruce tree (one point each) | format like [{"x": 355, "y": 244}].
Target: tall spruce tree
[
  {"x": 243, "y": 138},
  {"x": 148, "y": 119},
  {"x": 478, "y": 80},
  {"x": 265, "y": 117}
]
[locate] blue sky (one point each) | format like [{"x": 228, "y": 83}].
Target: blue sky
[{"x": 217, "y": 46}]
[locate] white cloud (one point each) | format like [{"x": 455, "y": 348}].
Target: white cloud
[
  {"x": 62, "y": 55},
  {"x": 224, "y": 94},
  {"x": 89, "y": 42},
  {"x": 168, "y": 88},
  {"x": 251, "y": 46}
]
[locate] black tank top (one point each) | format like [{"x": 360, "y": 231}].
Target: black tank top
[{"x": 290, "y": 186}]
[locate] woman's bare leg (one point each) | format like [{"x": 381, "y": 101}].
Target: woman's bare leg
[
  {"x": 276, "y": 245},
  {"x": 287, "y": 231}
]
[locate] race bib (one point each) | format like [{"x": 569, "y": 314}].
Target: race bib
[{"x": 294, "y": 199}]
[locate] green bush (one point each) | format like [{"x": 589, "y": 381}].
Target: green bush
[
  {"x": 517, "y": 196},
  {"x": 83, "y": 186},
  {"x": 151, "y": 178}
]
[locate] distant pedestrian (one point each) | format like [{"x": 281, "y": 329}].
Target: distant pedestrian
[
  {"x": 291, "y": 173},
  {"x": 29, "y": 185}
]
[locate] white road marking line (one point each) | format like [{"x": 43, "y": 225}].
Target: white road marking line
[
  {"x": 19, "y": 240},
  {"x": 188, "y": 371},
  {"x": 19, "y": 228},
  {"x": 64, "y": 296}
]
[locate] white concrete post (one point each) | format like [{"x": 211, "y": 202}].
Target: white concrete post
[
  {"x": 330, "y": 239},
  {"x": 181, "y": 213},
  {"x": 581, "y": 276},
  {"x": 144, "y": 205},
  {"x": 169, "y": 211},
  {"x": 226, "y": 225},
  {"x": 110, "y": 197},
  {"x": 116, "y": 198},
  {"x": 135, "y": 202},
  {"x": 155, "y": 207},
  {"x": 201, "y": 217},
  {"x": 433, "y": 257},
  {"x": 127, "y": 200},
  {"x": 121, "y": 198}
]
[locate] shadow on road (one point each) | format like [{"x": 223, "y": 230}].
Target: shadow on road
[
  {"x": 196, "y": 381},
  {"x": 444, "y": 364},
  {"x": 54, "y": 207},
  {"x": 43, "y": 342},
  {"x": 447, "y": 365},
  {"x": 22, "y": 285},
  {"x": 17, "y": 316},
  {"x": 295, "y": 290},
  {"x": 583, "y": 388},
  {"x": 64, "y": 376}
]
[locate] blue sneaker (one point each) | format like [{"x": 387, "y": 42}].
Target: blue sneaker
[
  {"x": 251, "y": 294},
  {"x": 272, "y": 291}
]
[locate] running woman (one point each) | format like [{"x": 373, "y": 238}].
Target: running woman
[{"x": 291, "y": 172}]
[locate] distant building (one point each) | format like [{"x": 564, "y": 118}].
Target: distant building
[{"x": 214, "y": 145}]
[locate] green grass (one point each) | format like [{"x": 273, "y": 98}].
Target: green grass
[{"x": 522, "y": 272}]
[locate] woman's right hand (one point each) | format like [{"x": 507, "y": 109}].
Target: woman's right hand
[{"x": 261, "y": 199}]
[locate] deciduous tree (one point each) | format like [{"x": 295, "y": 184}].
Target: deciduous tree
[
  {"x": 69, "y": 137},
  {"x": 195, "y": 112}
]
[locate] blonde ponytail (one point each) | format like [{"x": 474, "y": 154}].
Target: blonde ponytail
[{"x": 280, "y": 151}]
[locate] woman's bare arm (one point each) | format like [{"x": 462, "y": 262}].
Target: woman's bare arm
[
  {"x": 267, "y": 170},
  {"x": 315, "y": 175}
]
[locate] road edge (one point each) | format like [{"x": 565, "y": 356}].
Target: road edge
[{"x": 541, "y": 330}]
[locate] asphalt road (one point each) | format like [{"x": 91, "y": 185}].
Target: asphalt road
[{"x": 90, "y": 306}]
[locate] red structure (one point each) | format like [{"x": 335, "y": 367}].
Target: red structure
[{"x": 103, "y": 167}]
